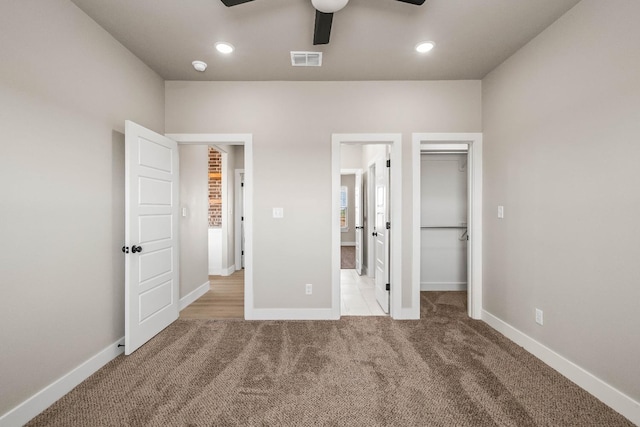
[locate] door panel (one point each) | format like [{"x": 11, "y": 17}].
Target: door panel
[
  {"x": 358, "y": 220},
  {"x": 151, "y": 223},
  {"x": 381, "y": 234}
]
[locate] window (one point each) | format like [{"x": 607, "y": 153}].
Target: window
[{"x": 344, "y": 206}]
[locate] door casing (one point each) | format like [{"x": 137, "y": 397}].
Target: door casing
[
  {"x": 395, "y": 142},
  {"x": 474, "y": 260},
  {"x": 245, "y": 139}
]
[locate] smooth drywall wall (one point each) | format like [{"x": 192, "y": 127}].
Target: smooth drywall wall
[
  {"x": 66, "y": 88},
  {"x": 194, "y": 202},
  {"x": 292, "y": 124},
  {"x": 561, "y": 153},
  {"x": 348, "y": 235}
]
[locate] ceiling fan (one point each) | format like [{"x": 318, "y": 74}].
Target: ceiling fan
[{"x": 324, "y": 15}]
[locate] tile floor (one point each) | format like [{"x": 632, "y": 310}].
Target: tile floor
[{"x": 357, "y": 295}]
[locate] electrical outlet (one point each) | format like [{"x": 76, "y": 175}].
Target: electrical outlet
[
  {"x": 500, "y": 212},
  {"x": 539, "y": 319},
  {"x": 308, "y": 289}
]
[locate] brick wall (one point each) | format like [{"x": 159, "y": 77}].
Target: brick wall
[{"x": 215, "y": 188}]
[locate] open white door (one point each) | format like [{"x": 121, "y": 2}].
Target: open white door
[
  {"x": 151, "y": 234},
  {"x": 381, "y": 234},
  {"x": 359, "y": 220}
]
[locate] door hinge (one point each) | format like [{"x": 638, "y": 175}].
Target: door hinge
[
  {"x": 242, "y": 253},
  {"x": 388, "y": 286},
  {"x": 242, "y": 184},
  {"x": 388, "y": 226},
  {"x": 241, "y": 218},
  {"x": 389, "y": 163}
]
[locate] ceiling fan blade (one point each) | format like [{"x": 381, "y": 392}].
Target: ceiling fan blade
[
  {"x": 416, "y": 2},
  {"x": 322, "y": 30},
  {"x": 230, "y": 3}
]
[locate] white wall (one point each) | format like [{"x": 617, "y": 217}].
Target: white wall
[
  {"x": 561, "y": 150},
  {"x": 349, "y": 236},
  {"x": 66, "y": 88},
  {"x": 292, "y": 160},
  {"x": 194, "y": 196}
]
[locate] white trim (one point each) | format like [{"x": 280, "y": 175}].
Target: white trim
[
  {"x": 347, "y": 243},
  {"x": 194, "y": 295},
  {"x": 294, "y": 314},
  {"x": 474, "y": 140},
  {"x": 238, "y": 216},
  {"x": 443, "y": 286},
  {"x": 40, "y": 401},
  {"x": 611, "y": 396},
  {"x": 395, "y": 141},
  {"x": 224, "y": 261},
  {"x": 245, "y": 139},
  {"x": 228, "y": 271}
]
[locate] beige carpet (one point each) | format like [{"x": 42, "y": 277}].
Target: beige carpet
[{"x": 444, "y": 370}]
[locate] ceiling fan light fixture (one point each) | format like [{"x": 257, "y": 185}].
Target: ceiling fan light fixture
[
  {"x": 329, "y": 6},
  {"x": 424, "y": 47},
  {"x": 199, "y": 66},
  {"x": 224, "y": 47}
]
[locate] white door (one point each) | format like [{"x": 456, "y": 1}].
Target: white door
[
  {"x": 151, "y": 234},
  {"x": 242, "y": 219},
  {"x": 381, "y": 234},
  {"x": 359, "y": 220}
]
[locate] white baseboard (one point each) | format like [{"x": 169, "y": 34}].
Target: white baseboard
[
  {"x": 291, "y": 314},
  {"x": 614, "y": 398},
  {"x": 347, "y": 243},
  {"x": 40, "y": 401},
  {"x": 443, "y": 286},
  {"x": 228, "y": 271},
  {"x": 194, "y": 295},
  {"x": 407, "y": 314}
]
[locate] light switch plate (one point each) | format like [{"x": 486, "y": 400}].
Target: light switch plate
[
  {"x": 500, "y": 212},
  {"x": 278, "y": 212}
]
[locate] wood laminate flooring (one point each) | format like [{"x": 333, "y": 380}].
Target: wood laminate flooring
[{"x": 225, "y": 299}]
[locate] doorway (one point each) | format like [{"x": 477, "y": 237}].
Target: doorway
[
  {"x": 443, "y": 220},
  {"x": 357, "y": 275},
  {"x": 389, "y": 144},
  {"x": 448, "y": 142},
  {"x": 221, "y": 141}
]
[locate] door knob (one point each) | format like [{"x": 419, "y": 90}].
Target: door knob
[
  {"x": 125, "y": 249},
  {"x": 135, "y": 249},
  {"x": 375, "y": 233}
]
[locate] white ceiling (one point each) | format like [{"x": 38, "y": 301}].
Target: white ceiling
[{"x": 370, "y": 39}]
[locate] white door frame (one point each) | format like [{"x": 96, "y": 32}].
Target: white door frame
[
  {"x": 238, "y": 217},
  {"x": 474, "y": 141},
  {"x": 395, "y": 141},
  {"x": 246, "y": 139}
]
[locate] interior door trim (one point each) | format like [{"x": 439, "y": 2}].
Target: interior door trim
[
  {"x": 245, "y": 139},
  {"x": 397, "y": 311},
  {"x": 474, "y": 261}
]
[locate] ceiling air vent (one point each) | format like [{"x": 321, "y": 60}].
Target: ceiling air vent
[{"x": 306, "y": 59}]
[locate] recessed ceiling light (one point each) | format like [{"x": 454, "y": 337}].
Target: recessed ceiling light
[
  {"x": 199, "y": 65},
  {"x": 224, "y": 47},
  {"x": 424, "y": 47}
]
